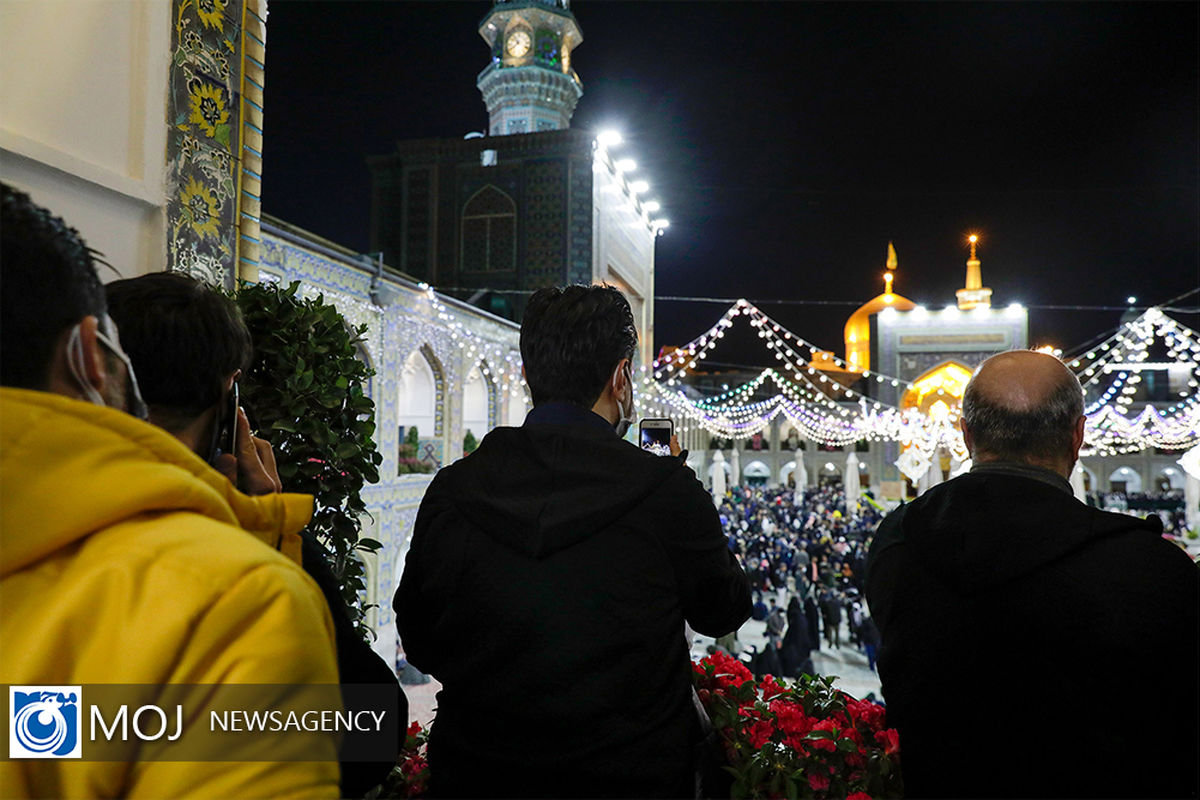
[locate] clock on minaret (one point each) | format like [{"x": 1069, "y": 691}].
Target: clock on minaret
[
  {"x": 518, "y": 44},
  {"x": 530, "y": 85}
]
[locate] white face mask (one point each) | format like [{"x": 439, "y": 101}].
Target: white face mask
[
  {"x": 75, "y": 360},
  {"x": 628, "y": 415}
]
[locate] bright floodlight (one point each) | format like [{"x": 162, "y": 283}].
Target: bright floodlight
[
  {"x": 626, "y": 165},
  {"x": 972, "y": 238},
  {"x": 637, "y": 187},
  {"x": 920, "y": 310},
  {"x": 1131, "y": 299},
  {"x": 659, "y": 224},
  {"x": 609, "y": 138},
  {"x": 652, "y": 205}
]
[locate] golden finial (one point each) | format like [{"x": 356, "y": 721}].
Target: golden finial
[
  {"x": 974, "y": 294},
  {"x": 892, "y": 262}
]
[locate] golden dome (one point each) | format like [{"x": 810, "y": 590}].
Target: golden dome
[{"x": 858, "y": 326}]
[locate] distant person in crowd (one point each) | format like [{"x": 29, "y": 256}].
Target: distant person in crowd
[
  {"x": 124, "y": 558},
  {"x": 1007, "y": 607},
  {"x": 796, "y": 652},
  {"x": 189, "y": 344},
  {"x": 831, "y": 612},
  {"x": 550, "y": 575},
  {"x": 776, "y": 623},
  {"x": 759, "y": 610}
]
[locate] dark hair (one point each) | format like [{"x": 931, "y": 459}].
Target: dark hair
[
  {"x": 49, "y": 283},
  {"x": 571, "y": 340},
  {"x": 185, "y": 338},
  {"x": 1043, "y": 432}
]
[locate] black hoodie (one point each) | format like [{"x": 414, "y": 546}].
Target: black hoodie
[
  {"x": 548, "y": 580},
  {"x": 1033, "y": 646}
]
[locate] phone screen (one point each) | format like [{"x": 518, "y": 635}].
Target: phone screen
[{"x": 655, "y": 436}]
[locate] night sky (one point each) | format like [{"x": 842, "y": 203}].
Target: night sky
[{"x": 789, "y": 142}]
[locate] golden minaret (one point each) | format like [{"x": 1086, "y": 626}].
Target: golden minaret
[{"x": 974, "y": 294}]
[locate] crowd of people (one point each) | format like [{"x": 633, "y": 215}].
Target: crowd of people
[{"x": 805, "y": 553}]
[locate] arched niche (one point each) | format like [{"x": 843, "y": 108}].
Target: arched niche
[
  {"x": 1125, "y": 479},
  {"x": 421, "y": 394},
  {"x": 936, "y": 391},
  {"x": 478, "y": 392}
]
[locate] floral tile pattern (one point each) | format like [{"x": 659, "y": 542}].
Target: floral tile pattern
[{"x": 203, "y": 144}]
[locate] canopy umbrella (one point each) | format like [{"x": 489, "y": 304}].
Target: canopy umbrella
[
  {"x": 852, "y": 485},
  {"x": 1191, "y": 487},
  {"x": 717, "y": 476},
  {"x": 800, "y": 478}
]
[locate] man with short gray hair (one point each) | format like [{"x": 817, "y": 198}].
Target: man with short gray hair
[{"x": 1032, "y": 645}]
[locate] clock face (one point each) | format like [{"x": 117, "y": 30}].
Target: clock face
[{"x": 518, "y": 43}]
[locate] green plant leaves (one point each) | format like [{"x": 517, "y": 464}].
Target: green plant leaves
[{"x": 305, "y": 393}]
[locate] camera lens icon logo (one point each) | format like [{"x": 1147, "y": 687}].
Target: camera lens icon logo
[{"x": 43, "y": 721}]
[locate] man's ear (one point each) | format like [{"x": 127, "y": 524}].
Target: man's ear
[
  {"x": 623, "y": 375},
  {"x": 95, "y": 369},
  {"x": 962, "y": 426},
  {"x": 1077, "y": 438}
]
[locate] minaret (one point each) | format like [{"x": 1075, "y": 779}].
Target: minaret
[
  {"x": 530, "y": 86},
  {"x": 974, "y": 294},
  {"x": 892, "y": 263}
]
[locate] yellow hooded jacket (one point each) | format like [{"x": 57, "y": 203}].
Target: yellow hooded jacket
[{"x": 124, "y": 558}]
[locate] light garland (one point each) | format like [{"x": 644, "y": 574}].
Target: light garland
[{"x": 1112, "y": 370}]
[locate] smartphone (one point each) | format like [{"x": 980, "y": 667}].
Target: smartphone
[
  {"x": 227, "y": 426},
  {"x": 655, "y": 436}
]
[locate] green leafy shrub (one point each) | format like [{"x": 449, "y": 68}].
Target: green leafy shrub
[
  {"x": 305, "y": 391},
  {"x": 469, "y": 443}
]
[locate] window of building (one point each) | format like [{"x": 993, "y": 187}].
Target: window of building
[{"x": 489, "y": 232}]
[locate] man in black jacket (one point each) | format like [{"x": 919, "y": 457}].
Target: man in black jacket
[
  {"x": 549, "y": 577},
  {"x": 1031, "y": 645}
]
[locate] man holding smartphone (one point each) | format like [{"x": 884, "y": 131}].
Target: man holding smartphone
[{"x": 550, "y": 575}]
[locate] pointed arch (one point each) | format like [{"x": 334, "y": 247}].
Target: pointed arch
[
  {"x": 943, "y": 384},
  {"x": 479, "y": 401},
  {"x": 421, "y": 398},
  {"x": 488, "y": 232}
]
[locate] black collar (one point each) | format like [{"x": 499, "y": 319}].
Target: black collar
[
  {"x": 566, "y": 414},
  {"x": 1019, "y": 470}
]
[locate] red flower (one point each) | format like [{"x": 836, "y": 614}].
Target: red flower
[
  {"x": 414, "y": 729},
  {"x": 771, "y": 688},
  {"x": 818, "y": 783},
  {"x": 890, "y": 741},
  {"x": 828, "y": 745},
  {"x": 867, "y": 713},
  {"x": 791, "y": 717},
  {"x": 859, "y": 796},
  {"x": 760, "y": 732}
]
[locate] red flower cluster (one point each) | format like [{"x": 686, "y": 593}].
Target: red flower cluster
[
  {"x": 797, "y": 739},
  {"x": 410, "y": 778}
]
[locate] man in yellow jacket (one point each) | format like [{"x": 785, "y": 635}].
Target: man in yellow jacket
[{"x": 124, "y": 558}]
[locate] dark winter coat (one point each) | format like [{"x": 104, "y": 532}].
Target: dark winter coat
[
  {"x": 547, "y": 584},
  {"x": 1034, "y": 646}
]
